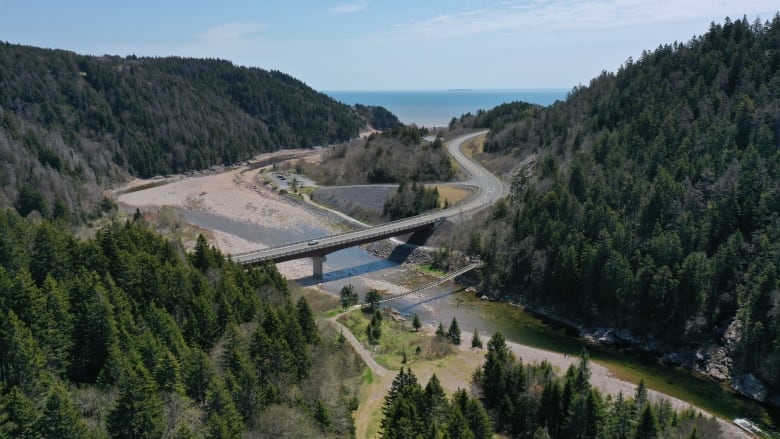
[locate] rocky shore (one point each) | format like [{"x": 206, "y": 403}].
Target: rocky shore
[{"x": 713, "y": 359}]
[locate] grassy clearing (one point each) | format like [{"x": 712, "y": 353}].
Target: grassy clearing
[
  {"x": 452, "y": 194},
  {"x": 307, "y": 190},
  {"x": 368, "y": 376},
  {"x": 321, "y": 303},
  {"x": 397, "y": 338},
  {"x": 331, "y": 313},
  {"x": 474, "y": 146},
  {"x": 430, "y": 270},
  {"x": 454, "y": 371}
]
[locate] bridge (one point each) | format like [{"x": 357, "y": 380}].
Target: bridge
[
  {"x": 317, "y": 249},
  {"x": 436, "y": 283},
  {"x": 490, "y": 190}
]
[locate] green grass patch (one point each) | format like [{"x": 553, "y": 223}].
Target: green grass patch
[
  {"x": 332, "y": 313},
  {"x": 431, "y": 270},
  {"x": 368, "y": 376},
  {"x": 307, "y": 190},
  {"x": 320, "y": 302},
  {"x": 397, "y": 338}
]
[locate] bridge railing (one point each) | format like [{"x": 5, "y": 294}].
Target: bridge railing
[{"x": 396, "y": 226}]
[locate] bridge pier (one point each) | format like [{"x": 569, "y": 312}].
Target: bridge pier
[{"x": 316, "y": 262}]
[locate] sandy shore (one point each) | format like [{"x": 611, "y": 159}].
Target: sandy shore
[{"x": 237, "y": 194}]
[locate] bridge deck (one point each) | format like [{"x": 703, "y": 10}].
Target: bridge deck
[{"x": 330, "y": 244}]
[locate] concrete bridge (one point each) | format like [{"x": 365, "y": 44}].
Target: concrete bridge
[
  {"x": 317, "y": 249},
  {"x": 490, "y": 190}
]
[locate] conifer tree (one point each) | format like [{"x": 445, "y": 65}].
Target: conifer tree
[
  {"x": 18, "y": 415},
  {"x": 476, "y": 342},
  {"x": 138, "y": 412},
  {"x": 22, "y": 363},
  {"x": 416, "y": 323},
  {"x": 60, "y": 418},
  {"x": 640, "y": 397},
  {"x": 222, "y": 418},
  {"x": 322, "y": 416},
  {"x": 198, "y": 374},
  {"x": 453, "y": 333},
  {"x": 440, "y": 332},
  {"x": 372, "y": 299},
  {"x": 648, "y": 425},
  {"x": 306, "y": 320},
  {"x": 436, "y": 404}
]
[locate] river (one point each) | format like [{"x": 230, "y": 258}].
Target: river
[{"x": 363, "y": 270}]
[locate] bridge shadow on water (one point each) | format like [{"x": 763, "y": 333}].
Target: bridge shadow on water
[
  {"x": 344, "y": 273},
  {"x": 399, "y": 255}
]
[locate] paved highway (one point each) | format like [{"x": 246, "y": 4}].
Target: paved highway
[{"x": 490, "y": 190}]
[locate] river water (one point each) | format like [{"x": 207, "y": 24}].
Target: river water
[{"x": 363, "y": 270}]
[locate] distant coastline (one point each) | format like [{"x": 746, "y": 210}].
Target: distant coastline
[{"x": 437, "y": 107}]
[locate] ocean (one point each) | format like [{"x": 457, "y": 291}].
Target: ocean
[{"x": 437, "y": 107}]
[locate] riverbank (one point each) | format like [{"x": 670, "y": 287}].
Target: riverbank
[
  {"x": 235, "y": 194},
  {"x": 707, "y": 362}
]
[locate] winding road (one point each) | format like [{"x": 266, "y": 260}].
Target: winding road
[{"x": 490, "y": 190}]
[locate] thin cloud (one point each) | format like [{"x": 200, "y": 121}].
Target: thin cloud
[
  {"x": 232, "y": 32},
  {"x": 566, "y": 15},
  {"x": 348, "y": 8}
]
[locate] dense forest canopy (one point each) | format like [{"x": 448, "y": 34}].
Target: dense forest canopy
[
  {"x": 650, "y": 200},
  {"x": 126, "y": 335},
  {"x": 71, "y": 123}
]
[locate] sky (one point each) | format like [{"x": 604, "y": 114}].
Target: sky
[{"x": 382, "y": 45}]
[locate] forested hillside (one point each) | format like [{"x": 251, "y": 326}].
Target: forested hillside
[
  {"x": 649, "y": 201},
  {"x": 125, "y": 335},
  {"x": 399, "y": 155},
  {"x": 71, "y": 123}
]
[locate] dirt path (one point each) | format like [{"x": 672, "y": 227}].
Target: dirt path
[
  {"x": 455, "y": 372},
  {"x": 372, "y": 395},
  {"x": 232, "y": 194}
]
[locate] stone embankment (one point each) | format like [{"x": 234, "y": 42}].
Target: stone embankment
[{"x": 401, "y": 252}]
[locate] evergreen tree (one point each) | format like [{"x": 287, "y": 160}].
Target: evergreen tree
[
  {"x": 436, "y": 404},
  {"x": 167, "y": 372},
  {"x": 20, "y": 415},
  {"x": 240, "y": 377},
  {"x": 198, "y": 374},
  {"x": 322, "y": 416},
  {"x": 440, "y": 332},
  {"x": 372, "y": 299},
  {"x": 476, "y": 342},
  {"x": 622, "y": 416},
  {"x": 306, "y": 320},
  {"x": 222, "y": 418},
  {"x": 60, "y": 418},
  {"x": 56, "y": 327},
  {"x": 453, "y": 332},
  {"x": 551, "y": 414},
  {"x": 416, "y": 324},
  {"x": 138, "y": 412},
  {"x": 348, "y": 296},
  {"x": 648, "y": 425},
  {"x": 640, "y": 397},
  {"x": 582, "y": 377},
  {"x": 22, "y": 363}
]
